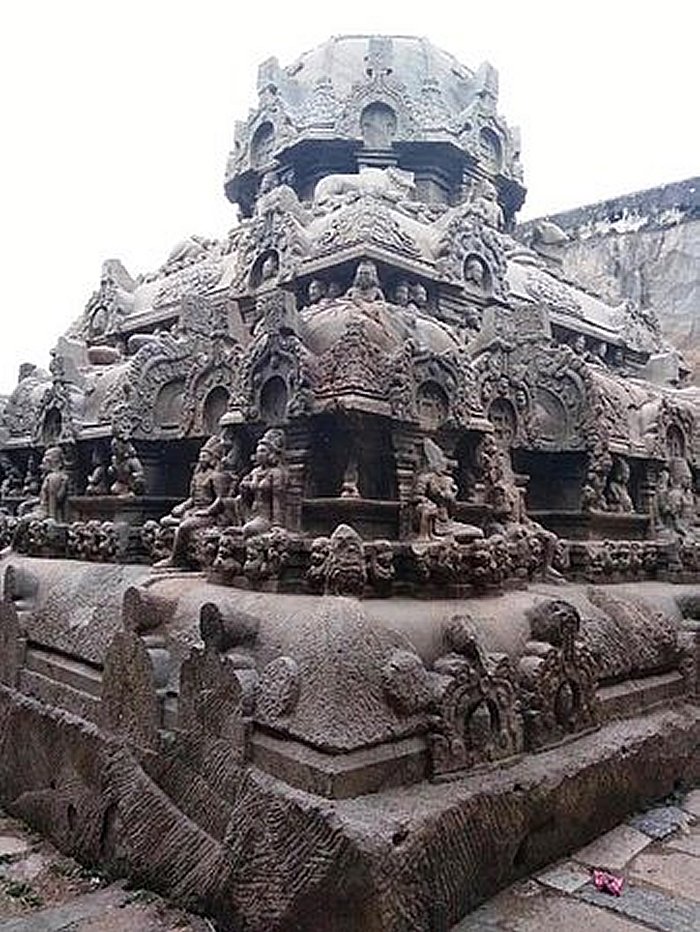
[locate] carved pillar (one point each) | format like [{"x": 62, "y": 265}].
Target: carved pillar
[
  {"x": 405, "y": 440},
  {"x": 647, "y": 489},
  {"x": 298, "y": 444}
]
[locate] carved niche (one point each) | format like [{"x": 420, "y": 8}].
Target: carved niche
[
  {"x": 477, "y": 718},
  {"x": 544, "y": 393},
  {"x": 469, "y": 252},
  {"x": 558, "y": 677},
  {"x": 379, "y": 109},
  {"x": 277, "y": 374}
]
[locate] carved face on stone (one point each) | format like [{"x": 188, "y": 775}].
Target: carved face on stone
[
  {"x": 346, "y": 545},
  {"x": 317, "y": 291},
  {"x": 366, "y": 276},
  {"x": 474, "y": 272},
  {"x": 402, "y": 294},
  {"x": 52, "y": 460},
  {"x": 420, "y": 295},
  {"x": 269, "y": 449}
]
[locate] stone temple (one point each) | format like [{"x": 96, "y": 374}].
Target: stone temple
[{"x": 351, "y": 562}]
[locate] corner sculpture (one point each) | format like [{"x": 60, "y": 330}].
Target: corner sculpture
[{"x": 357, "y": 533}]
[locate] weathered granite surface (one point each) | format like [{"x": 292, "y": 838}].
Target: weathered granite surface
[{"x": 642, "y": 247}]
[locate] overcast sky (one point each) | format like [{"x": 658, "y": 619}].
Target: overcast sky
[{"x": 117, "y": 118}]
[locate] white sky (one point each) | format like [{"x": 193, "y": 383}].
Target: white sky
[{"x": 117, "y": 118}]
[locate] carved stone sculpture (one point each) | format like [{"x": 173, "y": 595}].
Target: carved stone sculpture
[
  {"x": 435, "y": 496},
  {"x": 262, "y": 491},
  {"x": 617, "y": 495},
  {"x": 51, "y": 503},
  {"x": 98, "y": 480},
  {"x": 558, "y": 677},
  {"x": 205, "y": 506},
  {"x": 125, "y": 469},
  {"x": 477, "y": 717},
  {"x": 366, "y": 287}
]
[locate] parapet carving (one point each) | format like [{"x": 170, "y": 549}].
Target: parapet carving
[
  {"x": 538, "y": 396},
  {"x": 110, "y": 304},
  {"x": 477, "y": 713},
  {"x": 468, "y": 249},
  {"x": 557, "y": 676}
]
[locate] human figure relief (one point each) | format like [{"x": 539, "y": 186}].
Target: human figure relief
[
  {"x": 209, "y": 488},
  {"x": 435, "y": 497},
  {"x": 262, "y": 491}
]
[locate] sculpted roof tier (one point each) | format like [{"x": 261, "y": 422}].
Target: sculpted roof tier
[{"x": 376, "y": 100}]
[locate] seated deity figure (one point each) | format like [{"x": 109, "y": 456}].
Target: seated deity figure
[
  {"x": 435, "y": 496},
  {"x": 125, "y": 469},
  {"x": 210, "y": 487},
  {"x": 262, "y": 491},
  {"x": 617, "y": 496},
  {"x": 366, "y": 286},
  {"x": 53, "y": 493},
  {"x": 97, "y": 482}
]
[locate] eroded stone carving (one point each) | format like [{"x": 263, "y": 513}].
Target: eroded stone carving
[
  {"x": 477, "y": 717},
  {"x": 557, "y": 676}
]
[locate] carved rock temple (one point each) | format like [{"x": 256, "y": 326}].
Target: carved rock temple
[{"x": 351, "y": 562}]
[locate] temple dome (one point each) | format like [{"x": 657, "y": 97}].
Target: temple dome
[{"x": 376, "y": 100}]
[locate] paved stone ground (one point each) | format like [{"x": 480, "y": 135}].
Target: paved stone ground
[
  {"x": 43, "y": 891},
  {"x": 658, "y": 854}
]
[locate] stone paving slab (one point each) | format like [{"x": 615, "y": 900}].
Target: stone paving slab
[
  {"x": 656, "y": 909},
  {"x": 65, "y": 916},
  {"x": 661, "y": 822},
  {"x": 613, "y": 850},
  {"x": 674, "y": 871},
  {"x": 691, "y": 803},
  {"x": 690, "y": 844},
  {"x": 567, "y": 877},
  {"x": 511, "y": 912}
]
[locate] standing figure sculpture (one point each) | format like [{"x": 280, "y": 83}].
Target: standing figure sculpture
[
  {"x": 262, "y": 491},
  {"x": 435, "y": 496},
  {"x": 210, "y": 486}
]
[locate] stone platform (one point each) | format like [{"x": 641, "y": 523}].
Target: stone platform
[{"x": 260, "y": 757}]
